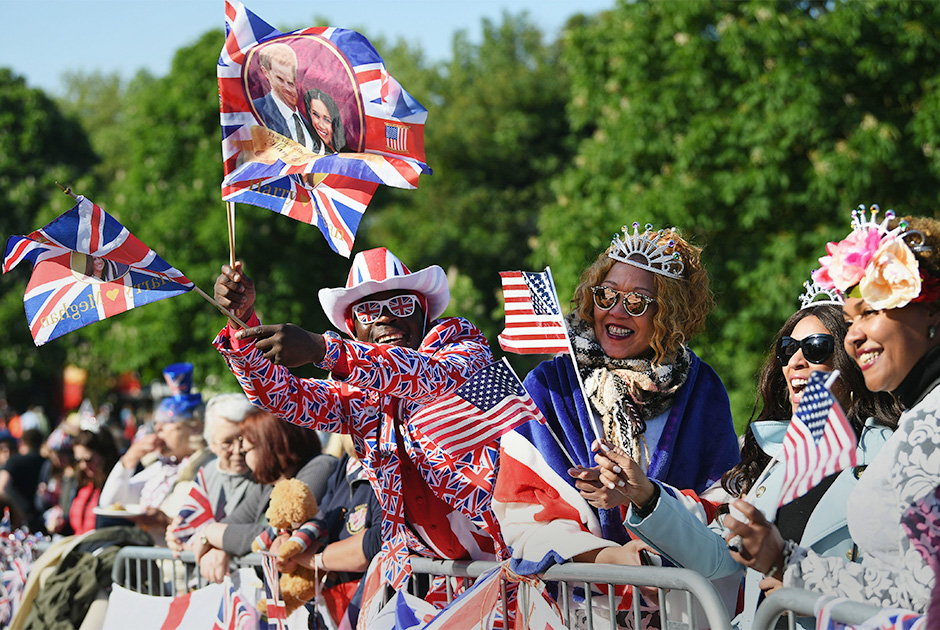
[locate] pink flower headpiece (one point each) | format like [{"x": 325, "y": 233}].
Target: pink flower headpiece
[{"x": 875, "y": 263}]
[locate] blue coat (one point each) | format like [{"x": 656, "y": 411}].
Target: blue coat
[{"x": 683, "y": 539}]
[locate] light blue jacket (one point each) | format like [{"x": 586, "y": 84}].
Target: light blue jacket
[{"x": 682, "y": 538}]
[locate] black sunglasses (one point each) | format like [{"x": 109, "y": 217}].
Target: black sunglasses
[{"x": 816, "y": 348}]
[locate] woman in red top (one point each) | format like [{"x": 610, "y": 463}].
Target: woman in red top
[{"x": 95, "y": 455}]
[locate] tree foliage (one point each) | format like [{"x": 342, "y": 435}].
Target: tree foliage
[{"x": 754, "y": 127}]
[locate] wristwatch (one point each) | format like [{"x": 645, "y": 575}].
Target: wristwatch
[{"x": 203, "y": 540}]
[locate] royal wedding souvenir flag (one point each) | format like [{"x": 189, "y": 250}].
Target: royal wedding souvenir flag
[
  {"x": 276, "y": 612},
  {"x": 534, "y": 323},
  {"x": 196, "y": 510},
  {"x": 489, "y": 404},
  {"x": 86, "y": 267},
  {"x": 312, "y": 123},
  {"x": 819, "y": 440}
]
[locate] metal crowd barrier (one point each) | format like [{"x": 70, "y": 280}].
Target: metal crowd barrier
[
  {"x": 152, "y": 570},
  {"x": 798, "y": 602}
]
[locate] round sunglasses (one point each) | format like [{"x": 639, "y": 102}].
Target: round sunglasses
[
  {"x": 634, "y": 303},
  {"x": 399, "y": 306},
  {"x": 816, "y": 348}
]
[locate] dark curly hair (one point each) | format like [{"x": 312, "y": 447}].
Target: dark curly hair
[{"x": 774, "y": 403}]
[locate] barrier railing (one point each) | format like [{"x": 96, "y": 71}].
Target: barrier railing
[
  {"x": 153, "y": 570},
  {"x": 803, "y": 603}
]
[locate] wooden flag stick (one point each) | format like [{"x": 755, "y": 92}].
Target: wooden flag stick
[
  {"x": 230, "y": 214},
  {"x": 224, "y": 310}
]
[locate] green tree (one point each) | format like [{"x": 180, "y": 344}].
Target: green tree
[
  {"x": 39, "y": 145},
  {"x": 754, "y": 127}
]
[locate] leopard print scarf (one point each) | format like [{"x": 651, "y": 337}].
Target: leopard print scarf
[{"x": 625, "y": 392}]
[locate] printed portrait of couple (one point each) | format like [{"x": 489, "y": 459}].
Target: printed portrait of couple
[{"x": 302, "y": 88}]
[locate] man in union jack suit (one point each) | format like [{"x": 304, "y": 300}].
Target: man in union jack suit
[{"x": 401, "y": 357}]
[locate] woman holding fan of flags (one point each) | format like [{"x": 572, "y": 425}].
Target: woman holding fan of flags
[
  {"x": 635, "y": 309},
  {"x": 890, "y": 274},
  {"x": 810, "y": 340}
]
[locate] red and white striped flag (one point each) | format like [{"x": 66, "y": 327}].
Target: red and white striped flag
[
  {"x": 819, "y": 441},
  {"x": 534, "y": 323},
  {"x": 489, "y": 404},
  {"x": 277, "y": 613}
]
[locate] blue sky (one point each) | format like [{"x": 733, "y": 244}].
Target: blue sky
[{"x": 45, "y": 38}]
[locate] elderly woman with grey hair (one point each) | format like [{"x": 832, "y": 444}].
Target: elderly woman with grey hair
[{"x": 226, "y": 478}]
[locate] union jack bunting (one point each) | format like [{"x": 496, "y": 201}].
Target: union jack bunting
[
  {"x": 276, "y": 612},
  {"x": 487, "y": 405},
  {"x": 196, "y": 510},
  {"x": 86, "y": 267},
  {"x": 819, "y": 440},
  {"x": 534, "y": 323},
  {"x": 322, "y": 163}
]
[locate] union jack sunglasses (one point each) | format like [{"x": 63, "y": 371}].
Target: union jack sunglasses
[{"x": 398, "y": 306}]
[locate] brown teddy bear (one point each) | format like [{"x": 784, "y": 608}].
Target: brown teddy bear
[{"x": 291, "y": 507}]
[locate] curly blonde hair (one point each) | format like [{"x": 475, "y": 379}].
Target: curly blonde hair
[{"x": 684, "y": 304}]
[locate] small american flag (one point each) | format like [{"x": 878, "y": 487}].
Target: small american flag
[
  {"x": 534, "y": 324},
  {"x": 489, "y": 404},
  {"x": 819, "y": 441},
  {"x": 277, "y": 613},
  {"x": 396, "y": 138}
]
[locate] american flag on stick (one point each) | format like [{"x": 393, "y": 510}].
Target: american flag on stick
[
  {"x": 819, "y": 441},
  {"x": 489, "y": 404},
  {"x": 534, "y": 324}
]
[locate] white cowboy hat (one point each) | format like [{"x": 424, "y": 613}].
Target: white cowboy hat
[{"x": 377, "y": 270}]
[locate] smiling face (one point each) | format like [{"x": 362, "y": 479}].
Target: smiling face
[
  {"x": 621, "y": 335},
  {"x": 886, "y": 344},
  {"x": 797, "y": 370},
  {"x": 322, "y": 121},
  {"x": 390, "y": 329},
  {"x": 283, "y": 79},
  {"x": 225, "y": 444}
]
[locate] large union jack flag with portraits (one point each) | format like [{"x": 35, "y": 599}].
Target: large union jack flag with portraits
[
  {"x": 86, "y": 267},
  {"x": 314, "y": 131}
]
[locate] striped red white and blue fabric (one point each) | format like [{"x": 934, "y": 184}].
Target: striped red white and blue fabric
[
  {"x": 382, "y": 124},
  {"x": 276, "y": 611},
  {"x": 819, "y": 441},
  {"x": 487, "y": 405},
  {"x": 87, "y": 267},
  {"x": 196, "y": 510},
  {"x": 534, "y": 323}
]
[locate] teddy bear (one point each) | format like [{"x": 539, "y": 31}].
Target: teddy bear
[{"x": 290, "y": 509}]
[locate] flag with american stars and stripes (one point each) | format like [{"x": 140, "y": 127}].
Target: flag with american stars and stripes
[
  {"x": 487, "y": 405},
  {"x": 87, "y": 267},
  {"x": 534, "y": 323},
  {"x": 819, "y": 440},
  {"x": 362, "y": 128}
]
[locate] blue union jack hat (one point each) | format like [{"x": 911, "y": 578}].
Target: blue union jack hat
[{"x": 377, "y": 270}]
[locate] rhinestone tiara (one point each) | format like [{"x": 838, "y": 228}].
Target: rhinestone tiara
[
  {"x": 816, "y": 295},
  {"x": 644, "y": 251}
]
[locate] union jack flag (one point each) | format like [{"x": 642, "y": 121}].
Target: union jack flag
[
  {"x": 489, "y": 404},
  {"x": 534, "y": 324},
  {"x": 819, "y": 440},
  {"x": 264, "y": 167},
  {"x": 233, "y": 611},
  {"x": 277, "y": 613},
  {"x": 196, "y": 510},
  {"x": 87, "y": 267}
]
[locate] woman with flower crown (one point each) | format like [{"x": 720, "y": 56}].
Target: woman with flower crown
[
  {"x": 811, "y": 339},
  {"x": 632, "y": 314},
  {"x": 890, "y": 274}
]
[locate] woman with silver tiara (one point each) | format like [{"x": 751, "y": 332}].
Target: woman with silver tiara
[
  {"x": 633, "y": 312},
  {"x": 890, "y": 275}
]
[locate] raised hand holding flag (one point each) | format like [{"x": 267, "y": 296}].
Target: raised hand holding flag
[{"x": 819, "y": 441}]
